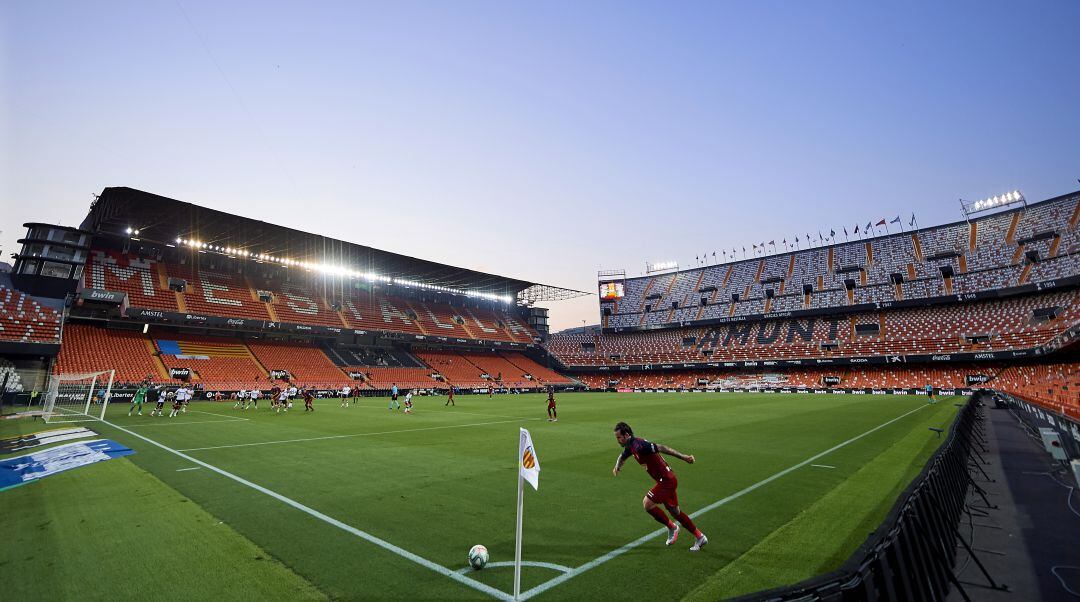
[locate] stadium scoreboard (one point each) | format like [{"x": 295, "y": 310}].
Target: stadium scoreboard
[
  {"x": 611, "y": 284},
  {"x": 611, "y": 290}
]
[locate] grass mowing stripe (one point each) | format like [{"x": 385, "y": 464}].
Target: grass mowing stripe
[
  {"x": 426, "y": 428},
  {"x": 794, "y": 551},
  {"x": 424, "y": 562},
  {"x": 543, "y": 587}
]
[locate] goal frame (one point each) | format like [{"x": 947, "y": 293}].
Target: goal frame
[{"x": 97, "y": 380}]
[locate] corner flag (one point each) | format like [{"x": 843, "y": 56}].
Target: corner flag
[
  {"x": 528, "y": 463},
  {"x": 528, "y": 470}
]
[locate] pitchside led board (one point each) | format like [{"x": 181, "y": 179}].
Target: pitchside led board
[{"x": 611, "y": 290}]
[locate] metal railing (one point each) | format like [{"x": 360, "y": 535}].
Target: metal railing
[{"x": 912, "y": 555}]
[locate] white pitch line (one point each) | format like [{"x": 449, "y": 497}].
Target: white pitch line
[
  {"x": 192, "y": 468},
  {"x": 428, "y": 428},
  {"x": 424, "y": 562},
  {"x": 821, "y": 466},
  {"x": 222, "y": 415},
  {"x": 181, "y": 422},
  {"x": 492, "y": 415},
  {"x": 543, "y": 587},
  {"x": 370, "y": 407},
  {"x": 535, "y": 563}
]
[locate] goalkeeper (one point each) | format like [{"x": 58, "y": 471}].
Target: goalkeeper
[{"x": 139, "y": 398}]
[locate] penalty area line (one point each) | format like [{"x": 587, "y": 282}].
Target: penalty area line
[
  {"x": 543, "y": 587},
  {"x": 222, "y": 415},
  {"x": 182, "y": 422},
  {"x": 424, "y": 562}
]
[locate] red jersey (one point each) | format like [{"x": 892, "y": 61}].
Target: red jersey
[{"x": 646, "y": 453}]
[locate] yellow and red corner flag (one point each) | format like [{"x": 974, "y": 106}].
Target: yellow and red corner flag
[{"x": 528, "y": 463}]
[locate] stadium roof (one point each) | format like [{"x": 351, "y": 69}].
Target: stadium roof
[{"x": 163, "y": 220}]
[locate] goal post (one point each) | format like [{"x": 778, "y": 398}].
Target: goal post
[{"x": 78, "y": 397}]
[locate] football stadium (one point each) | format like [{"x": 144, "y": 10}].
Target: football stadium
[
  {"x": 844, "y": 390},
  {"x": 223, "y": 378}
]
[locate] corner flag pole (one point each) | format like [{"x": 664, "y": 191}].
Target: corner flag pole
[
  {"x": 517, "y": 537},
  {"x": 528, "y": 470}
]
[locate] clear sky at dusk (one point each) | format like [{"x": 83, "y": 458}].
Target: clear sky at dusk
[{"x": 539, "y": 140}]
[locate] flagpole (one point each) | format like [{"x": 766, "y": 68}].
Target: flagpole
[{"x": 517, "y": 538}]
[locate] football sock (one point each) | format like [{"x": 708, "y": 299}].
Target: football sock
[
  {"x": 660, "y": 517},
  {"x": 689, "y": 524}
]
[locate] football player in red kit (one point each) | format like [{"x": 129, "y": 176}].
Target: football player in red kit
[{"x": 664, "y": 492}]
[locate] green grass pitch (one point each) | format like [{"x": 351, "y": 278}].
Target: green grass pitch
[{"x": 363, "y": 503}]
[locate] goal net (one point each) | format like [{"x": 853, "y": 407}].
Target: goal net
[{"x": 78, "y": 397}]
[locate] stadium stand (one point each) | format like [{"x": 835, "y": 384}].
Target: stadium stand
[
  {"x": 907, "y": 377},
  {"x": 375, "y": 312},
  {"x": 541, "y": 374},
  {"x": 985, "y": 254},
  {"x": 217, "y": 293},
  {"x": 24, "y": 320},
  {"x": 404, "y": 378},
  {"x": 142, "y": 279},
  {"x": 9, "y": 377},
  {"x": 1058, "y": 267},
  {"x": 1055, "y": 386},
  {"x": 300, "y": 304},
  {"x": 379, "y": 357},
  {"x": 90, "y": 349},
  {"x": 943, "y": 240},
  {"x": 992, "y": 247},
  {"x": 305, "y": 363},
  {"x": 997, "y": 325},
  {"x": 455, "y": 368},
  {"x": 215, "y": 362}
]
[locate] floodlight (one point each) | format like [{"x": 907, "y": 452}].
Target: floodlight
[{"x": 128, "y": 230}]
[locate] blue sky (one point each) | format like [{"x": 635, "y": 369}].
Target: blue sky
[{"x": 541, "y": 140}]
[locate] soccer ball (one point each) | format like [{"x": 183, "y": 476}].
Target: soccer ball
[{"x": 478, "y": 557}]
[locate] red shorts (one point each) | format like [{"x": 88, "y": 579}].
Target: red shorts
[
  {"x": 551, "y": 406},
  {"x": 665, "y": 493}
]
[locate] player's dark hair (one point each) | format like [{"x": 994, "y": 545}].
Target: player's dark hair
[{"x": 624, "y": 429}]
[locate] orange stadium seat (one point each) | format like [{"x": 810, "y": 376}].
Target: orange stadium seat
[
  {"x": 92, "y": 349},
  {"x": 142, "y": 279},
  {"x": 24, "y": 320},
  {"x": 216, "y": 362},
  {"x": 218, "y": 293},
  {"x": 307, "y": 364}
]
